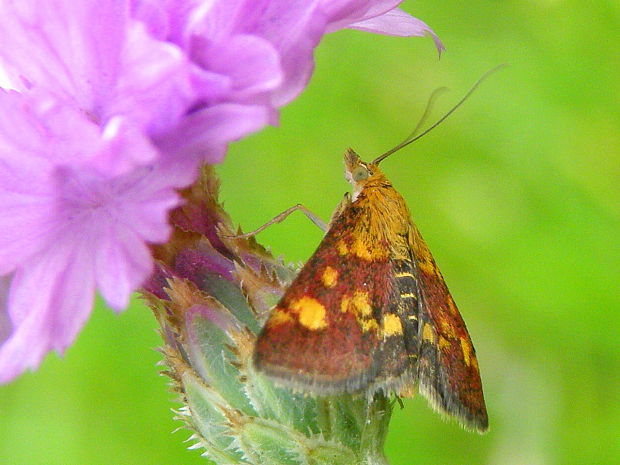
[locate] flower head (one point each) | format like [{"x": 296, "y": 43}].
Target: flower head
[
  {"x": 68, "y": 226},
  {"x": 115, "y": 103}
]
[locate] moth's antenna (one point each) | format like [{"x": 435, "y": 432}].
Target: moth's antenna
[
  {"x": 427, "y": 111},
  {"x": 413, "y": 137}
]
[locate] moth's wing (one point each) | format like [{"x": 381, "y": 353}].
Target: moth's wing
[
  {"x": 398, "y": 352},
  {"x": 327, "y": 335},
  {"x": 448, "y": 373}
]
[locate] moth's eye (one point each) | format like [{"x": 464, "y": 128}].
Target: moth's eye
[{"x": 360, "y": 173}]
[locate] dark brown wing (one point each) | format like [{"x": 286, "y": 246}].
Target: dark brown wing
[
  {"x": 333, "y": 330},
  {"x": 448, "y": 373}
]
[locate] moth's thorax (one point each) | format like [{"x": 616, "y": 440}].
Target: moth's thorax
[
  {"x": 386, "y": 218},
  {"x": 382, "y": 217}
]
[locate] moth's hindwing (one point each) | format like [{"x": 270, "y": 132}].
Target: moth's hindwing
[{"x": 447, "y": 372}]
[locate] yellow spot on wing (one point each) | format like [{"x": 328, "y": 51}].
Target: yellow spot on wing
[
  {"x": 278, "y": 317},
  {"x": 427, "y": 266},
  {"x": 428, "y": 333},
  {"x": 342, "y": 248},
  {"x": 408, "y": 295},
  {"x": 360, "y": 249},
  {"x": 447, "y": 328},
  {"x": 329, "y": 277},
  {"x": 361, "y": 303},
  {"x": 466, "y": 348},
  {"x": 391, "y": 325},
  {"x": 403, "y": 274},
  {"x": 367, "y": 251},
  {"x": 311, "y": 313},
  {"x": 359, "y": 306},
  {"x": 368, "y": 324},
  {"x": 444, "y": 343},
  {"x": 452, "y": 306}
]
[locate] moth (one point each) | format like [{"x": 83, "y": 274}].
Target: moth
[{"x": 371, "y": 311}]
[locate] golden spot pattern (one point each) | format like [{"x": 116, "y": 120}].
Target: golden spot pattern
[
  {"x": 360, "y": 249},
  {"x": 368, "y": 324},
  {"x": 329, "y": 277},
  {"x": 426, "y": 266},
  {"x": 361, "y": 303},
  {"x": 467, "y": 350},
  {"x": 278, "y": 317},
  {"x": 311, "y": 313},
  {"x": 444, "y": 343},
  {"x": 447, "y": 328},
  {"x": 428, "y": 334},
  {"x": 342, "y": 248},
  {"x": 404, "y": 274},
  {"x": 392, "y": 325},
  {"x": 359, "y": 306},
  {"x": 452, "y": 306},
  {"x": 367, "y": 251}
]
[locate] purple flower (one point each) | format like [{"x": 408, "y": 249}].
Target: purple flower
[
  {"x": 114, "y": 105},
  {"x": 261, "y": 51},
  {"x": 68, "y": 226},
  {"x": 83, "y": 188}
]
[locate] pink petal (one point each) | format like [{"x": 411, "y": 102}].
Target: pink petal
[
  {"x": 213, "y": 127},
  {"x": 123, "y": 262},
  {"x": 49, "y": 301},
  {"x": 397, "y": 23},
  {"x": 147, "y": 198},
  {"x": 294, "y": 28},
  {"x": 124, "y": 147},
  {"x": 341, "y": 13},
  {"x": 37, "y": 125},
  {"x": 91, "y": 55},
  {"x": 251, "y": 63},
  {"x": 154, "y": 88},
  {"x": 23, "y": 222},
  {"x": 33, "y": 145},
  {"x": 5, "y": 322},
  {"x": 72, "y": 48}
]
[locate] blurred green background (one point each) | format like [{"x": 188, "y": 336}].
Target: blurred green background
[{"x": 517, "y": 195}]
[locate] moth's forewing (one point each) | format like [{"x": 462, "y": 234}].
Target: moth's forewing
[{"x": 325, "y": 334}]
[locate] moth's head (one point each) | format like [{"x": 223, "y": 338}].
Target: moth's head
[{"x": 358, "y": 172}]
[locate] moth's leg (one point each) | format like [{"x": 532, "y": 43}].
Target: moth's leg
[{"x": 281, "y": 217}]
